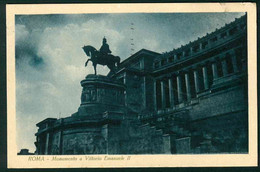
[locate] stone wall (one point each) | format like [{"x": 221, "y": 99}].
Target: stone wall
[
  {"x": 142, "y": 139},
  {"x": 84, "y": 143},
  {"x": 227, "y": 101},
  {"x": 135, "y": 95}
]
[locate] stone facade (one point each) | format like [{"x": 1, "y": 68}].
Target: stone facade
[{"x": 190, "y": 100}]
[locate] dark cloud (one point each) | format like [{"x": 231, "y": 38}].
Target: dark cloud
[
  {"x": 26, "y": 50},
  {"x": 23, "y": 51},
  {"x": 40, "y": 21},
  {"x": 53, "y": 20}
]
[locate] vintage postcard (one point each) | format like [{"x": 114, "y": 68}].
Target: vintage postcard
[{"x": 131, "y": 85}]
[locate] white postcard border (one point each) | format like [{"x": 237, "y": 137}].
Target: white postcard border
[{"x": 196, "y": 160}]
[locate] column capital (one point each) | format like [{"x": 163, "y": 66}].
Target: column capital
[
  {"x": 179, "y": 72},
  {"x": 159, "y": 78},
  {"x": 232, "y": 51},
  {"x": 184, "y": 71},
  {"x": 203, "y": 64},
  {"x": 213, "y": 60},
  {"x": 196, "y": 67},
  {"x": 169, "y": 75},
  {"x": 222, "y": 56}
]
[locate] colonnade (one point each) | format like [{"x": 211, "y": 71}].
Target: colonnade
[
  {"x": 185, "y": 84},
  {"x": 207, "y": 43}
]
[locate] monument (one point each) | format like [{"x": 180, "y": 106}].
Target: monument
[
  {"x": 190, "y": 100},
  {"x": 87, "y": 131},
  {"x": 102, "y": 124}
]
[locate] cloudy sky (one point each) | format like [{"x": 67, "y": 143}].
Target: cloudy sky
[{"x": 50, "y": 60}]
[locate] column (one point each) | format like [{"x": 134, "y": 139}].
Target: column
[
  {"x": 163, "y": 94},
  {"x": 175, "y": 57},
  {"x": 41, "y": 145},
  {"x": 187, "y": 83},
  {"x": 37, "y": 146},
  {"x": 234, "y": 61},
  {"x": 209, "y": 43},
  {"x": 219, "y": 37},
  {"x": 201, "y": 46},
  {"x": 179, "y": 89},
  {"x": 47, "y": 144},
  {"x": 191, "y": 50},
  {"x": 214, "y": 70},
  {"x": 59, "y": 143},
  {"x": 205, "y": 78},
  {"x": 125, "y": 82},
  {"x": 196, "y": 81},
  {"x": 144, "y": 88},
  {"x": 171, "y": 92},
  {"x": 183, "y": 54},
  {"x": 227, "y": 32},
  {"x": 224, "y": 66},
  {"x": 154, "y": 95}
]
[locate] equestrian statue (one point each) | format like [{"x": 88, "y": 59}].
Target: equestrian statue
[{"x": 102, "y": 57}]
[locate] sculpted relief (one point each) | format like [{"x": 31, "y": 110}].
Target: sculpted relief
[
  {"x": 102, "y": 95},
  {"x": 89, "y": 94},
  {"x": 84, "y": 143}
]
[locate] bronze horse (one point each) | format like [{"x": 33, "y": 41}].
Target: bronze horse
[{"x": 98, "y": 58}]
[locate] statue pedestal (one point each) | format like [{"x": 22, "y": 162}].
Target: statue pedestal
[{"x": 101, "y": 94}]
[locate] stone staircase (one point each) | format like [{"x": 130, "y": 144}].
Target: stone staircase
[
  {"x": 159, "y": 134},
  {"x": 165, "y": 134},
  {"x": 174, "y": 134}
]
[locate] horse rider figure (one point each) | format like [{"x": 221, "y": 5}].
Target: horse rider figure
[
  {"x": 102, "y": 57},
  {"x": 104, "y": 50}
]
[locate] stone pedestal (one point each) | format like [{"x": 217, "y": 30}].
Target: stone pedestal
[{"x": 101, "y": 94}]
